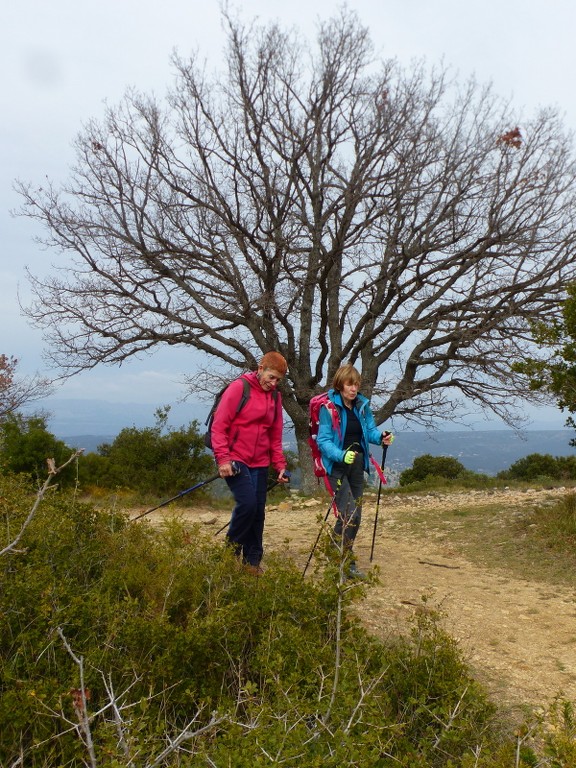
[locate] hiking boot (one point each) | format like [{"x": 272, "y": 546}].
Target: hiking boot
[
  {"x": 354, "y": 573},
  {"x": 253, "y": 570}
]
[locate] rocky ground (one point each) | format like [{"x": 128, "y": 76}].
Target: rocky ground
[{"x": 519, "y": 635}]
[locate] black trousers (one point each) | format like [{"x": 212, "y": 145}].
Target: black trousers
[
  {"x": 246, "y": 529},
  {"x": 347, "y": 482}
]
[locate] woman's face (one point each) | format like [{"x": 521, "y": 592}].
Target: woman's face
[
  {"x": 269, "y": 378},
  {"x": 350, "y": 390}
]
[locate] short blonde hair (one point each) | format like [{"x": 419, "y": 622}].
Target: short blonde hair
[{"x": 346, "y": 374}]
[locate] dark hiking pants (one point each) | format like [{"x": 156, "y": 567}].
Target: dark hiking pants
[
  {"x": 347, "y": 481},
  {"x": 246, "y": 529}
]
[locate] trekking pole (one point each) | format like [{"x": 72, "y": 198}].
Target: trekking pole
[
  {"x": 179, "y": 495},
  {"x": 384, "y": 451},
  {"x": 318, "y": 537},
  {"x": 223, "y": 527},
  {"x": 274, "y": 483}
]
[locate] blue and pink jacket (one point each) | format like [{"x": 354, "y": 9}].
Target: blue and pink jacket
[{"x": 331, "y": 441}]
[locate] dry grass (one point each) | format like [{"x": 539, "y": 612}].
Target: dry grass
[{"x": 524, "y": 537}]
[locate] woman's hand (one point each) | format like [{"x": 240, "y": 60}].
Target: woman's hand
[
  {"x": 226, "y": 470},
  {"x": 387, "y": 438},
  {"x": 283, "y": 476},
  {"x": 349, "y": 457}
]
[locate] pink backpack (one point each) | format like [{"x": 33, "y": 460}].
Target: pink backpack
[{"x": 317, "y": 402}]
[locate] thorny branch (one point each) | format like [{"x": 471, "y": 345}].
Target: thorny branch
[
  {"x": 53, "y": 470},
  {"x": 79, "y": 699}
]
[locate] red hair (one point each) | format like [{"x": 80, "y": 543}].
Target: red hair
[{"x": 275, "y": 361}]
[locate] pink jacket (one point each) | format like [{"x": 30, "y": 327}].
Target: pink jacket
[{"x": 253, "y": 436}]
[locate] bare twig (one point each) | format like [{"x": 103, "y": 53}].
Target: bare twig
[
  {"x": 364, "y": 692},
  {"x": 118, "y": 721},
  {"x": 438, "y": 565},
  {"x": 53, "y": 470},
  {"x": 183, "y": 736},
  {"x": 342, "y": 589},
  {"x": 79, "y": 700},
  {"x": 453, "y": 714}
]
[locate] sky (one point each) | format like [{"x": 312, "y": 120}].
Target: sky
[{"x": 62, "y": 62}]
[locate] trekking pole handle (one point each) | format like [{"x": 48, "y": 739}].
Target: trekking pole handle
[{"x": 234, "y": 466}]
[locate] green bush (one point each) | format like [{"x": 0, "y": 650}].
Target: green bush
[
  {"x": 538, "y": 467},
  {"x": 26, "y": 443},
  {"x": 155, "y": 461},
  {"x": 428, "y": 466},
  {"x": 169, "y": 626}
]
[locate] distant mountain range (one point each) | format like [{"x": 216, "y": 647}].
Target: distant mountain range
[
  {"x": 89, "y": 418},
  {"x": 89, "y": 423},
  {"x": 487, "y": 452}
]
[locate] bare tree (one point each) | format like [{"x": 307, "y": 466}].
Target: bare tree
[
  {"x": 328, "y": 205},
  {"x": 16, "y": 391}
]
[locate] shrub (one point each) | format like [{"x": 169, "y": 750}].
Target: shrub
[
  {"x": 157, "y": 460},
  {"x": 428, "y": 466},
  {"x": 26, "y": 443},
  {"x": 167, "y": 626},
  {"x": 538, "y": 466}
]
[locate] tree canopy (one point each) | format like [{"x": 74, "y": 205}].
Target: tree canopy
[
  {"x": 426, "y": 466},
  {"x": 323, "y": 203},
  {"x": 26, "y": 445},
  {"x": 553, "y": 369}
]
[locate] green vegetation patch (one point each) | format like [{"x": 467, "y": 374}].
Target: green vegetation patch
[{"x": 124, "y": 644}]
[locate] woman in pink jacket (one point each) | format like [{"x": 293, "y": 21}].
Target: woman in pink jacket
[{"x": 252, "y": 439}]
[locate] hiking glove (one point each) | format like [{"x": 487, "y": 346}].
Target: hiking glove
[{"x": 349, "y": 457}]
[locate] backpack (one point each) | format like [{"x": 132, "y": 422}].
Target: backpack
[
  {"x": 317, "y": 402},
  {"x": 241, "y": 403}
]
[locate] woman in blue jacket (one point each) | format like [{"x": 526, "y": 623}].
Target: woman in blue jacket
[{"x": 345, "y": 452}]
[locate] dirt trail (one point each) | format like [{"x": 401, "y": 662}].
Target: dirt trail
[{"x": 518, "y": 635}]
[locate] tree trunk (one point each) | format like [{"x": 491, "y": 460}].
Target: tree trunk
[{"x": 310, "y": 484}]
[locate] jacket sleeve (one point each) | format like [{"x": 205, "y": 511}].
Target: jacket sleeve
[
  {"x": 327, "y": 438},
  {"x": 222, "y": 425},
  {"x": 277, "y": 458},
  {"x": 372, "y": 432}
]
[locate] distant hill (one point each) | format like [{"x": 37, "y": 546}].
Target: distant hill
[
  {"x": 89, "y": 443},
  {"x": 487, "y": 452},
  {"x": 89, "y": 423},
  {"x": 68, "y": 418}
]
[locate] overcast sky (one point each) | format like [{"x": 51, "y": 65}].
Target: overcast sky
[{"x": 61, "y": 61}]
